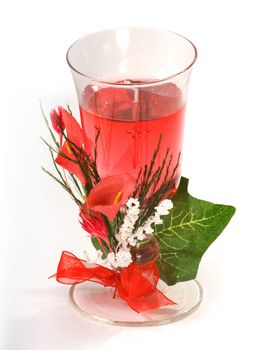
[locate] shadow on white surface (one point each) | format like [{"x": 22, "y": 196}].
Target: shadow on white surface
[{"x": 45, "y": 320}]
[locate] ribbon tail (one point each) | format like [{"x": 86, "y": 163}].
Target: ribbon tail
[
  {"x": 72, "y": 270},
  {"x": 152, "y": 301},
  {"x": 137, "y": 285}
]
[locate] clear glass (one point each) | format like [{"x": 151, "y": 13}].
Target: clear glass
[
  {"x": 132, "y": 90},
  {"x": 132, "y": 87},
  {"x": 97, "y": 303},
  {"x": 146, "y": 250}
]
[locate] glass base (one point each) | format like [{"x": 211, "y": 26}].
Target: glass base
[{"x": 97, "y": 303}]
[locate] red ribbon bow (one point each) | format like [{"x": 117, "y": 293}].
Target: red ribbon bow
[{"x": 135, "y": 284}]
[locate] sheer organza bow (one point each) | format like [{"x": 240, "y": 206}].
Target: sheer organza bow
[{"x": 136, "y": 284}]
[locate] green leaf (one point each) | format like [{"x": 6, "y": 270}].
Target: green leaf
[
  {"x": 187, "y": 232},
  {"x": 97, "y": 246},
  {"x": 95, "y": 243}
]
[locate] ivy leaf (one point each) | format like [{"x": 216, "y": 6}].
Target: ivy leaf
[{"x": 187, "y": 232}]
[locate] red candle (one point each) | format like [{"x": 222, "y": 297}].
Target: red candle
[
  {"x": 130, "y": 123},
  {"x": 132, "y": 89}
]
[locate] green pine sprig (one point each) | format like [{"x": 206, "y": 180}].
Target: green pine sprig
[
  {"x": 149, "y": 190},
  {"x": 87, "y": 164}
]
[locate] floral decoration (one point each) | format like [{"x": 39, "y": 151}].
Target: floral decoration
[{"x": 120, "y": 212}]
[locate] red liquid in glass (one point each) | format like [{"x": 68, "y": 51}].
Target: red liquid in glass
[{"x": 130, "y": 124}]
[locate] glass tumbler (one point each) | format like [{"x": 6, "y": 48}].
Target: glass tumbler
[{"x": 132, "y": 90}]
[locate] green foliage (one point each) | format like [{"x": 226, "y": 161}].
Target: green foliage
[
  {"x": 149, "y": 189},
  {"x": 186, "y": 234}
]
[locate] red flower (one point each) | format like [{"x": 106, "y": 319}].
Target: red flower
[
  {"x": 73, "y": 129},
  {"x": 68, "y": 164},
  {"x": 57, "y": 120},
  {"x": 110, "y": 194},
  {"x": 95, "y": 226},
  {"x": 75, "y": 135}
]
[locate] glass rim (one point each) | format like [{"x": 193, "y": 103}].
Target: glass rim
[{"x": 124, "y": 84}]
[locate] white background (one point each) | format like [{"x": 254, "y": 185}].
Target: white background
[{"x": 38, "y": 220}]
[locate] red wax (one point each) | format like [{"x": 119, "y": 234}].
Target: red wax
[{"x": 130, "y": 123}]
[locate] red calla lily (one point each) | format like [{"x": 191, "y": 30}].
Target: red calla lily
[
  {"x": 75, "y": 135},
  {"x": 69, "y": 165},
  {"x": 73, "y": 129},
  {"x": 110, "y": 194}
]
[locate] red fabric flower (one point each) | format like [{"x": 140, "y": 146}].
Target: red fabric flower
[
  {"x": 75, "y": 135},
  {"x": 94, "y": 225},
  {"x": 57, "y": 120},
  {"x": 110, "y": 194},
  {"x": 68, "y": 164},
  {"x": 73, "y": 129}
]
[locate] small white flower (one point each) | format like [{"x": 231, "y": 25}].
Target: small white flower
[
  {"x": 133, "y": 202},
  {"x": 127, "y": 236},
  {"x": 164, "y": 207},
  {"x": 140, "y": 234},
  {"x": 125, "y": 244},
  {"x": 156, "y": 219},
  {"x": 128, "y": 222},
  {"x": 127, "y": 228},
  {"x": 132, "y": 240},
  {"x": 133, "y": 214},
  {"x": 111, "y": 259},
  {"x": 147, "y": 226},
  {"x": 123, "y": 258}
]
